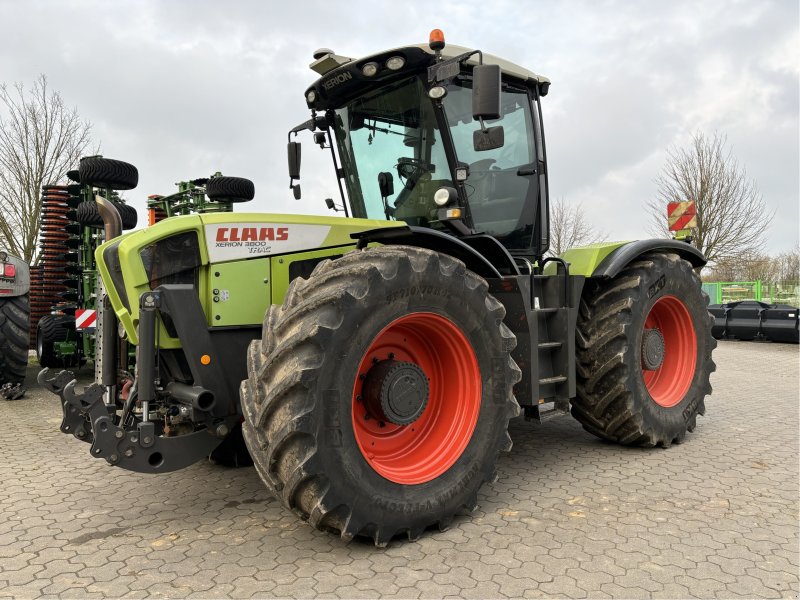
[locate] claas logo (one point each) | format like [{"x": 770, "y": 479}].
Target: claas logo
[{"x": 252, "y": 234}]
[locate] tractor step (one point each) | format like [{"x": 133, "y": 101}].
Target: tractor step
[
  {"x": 550, "y": 345},
  {"x": 556, "y": 379},
  {"x": 547, "y": 410}
]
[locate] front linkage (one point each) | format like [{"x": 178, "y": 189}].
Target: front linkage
[
  {"x": 88, "y": 418},
  {"x": 138, "y": 443}
]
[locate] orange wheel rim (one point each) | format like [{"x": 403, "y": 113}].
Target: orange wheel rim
[
  {"x": 420, "y": 451},
  {"x": 669, "y": 382}
]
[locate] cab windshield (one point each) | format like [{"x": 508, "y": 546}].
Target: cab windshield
[{"x": 392, "y": 133}]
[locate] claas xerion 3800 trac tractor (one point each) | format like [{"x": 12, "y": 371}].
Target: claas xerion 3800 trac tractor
[{"x": 398, "y": 341}]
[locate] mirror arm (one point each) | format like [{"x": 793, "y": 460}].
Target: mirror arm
[{"x": 451, "y": 67}]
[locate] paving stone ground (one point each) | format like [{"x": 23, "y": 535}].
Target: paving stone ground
[{"x": 570, "y": 516}]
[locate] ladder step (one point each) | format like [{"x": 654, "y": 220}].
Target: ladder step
[
  {"x": 550, "y": 414},
  {"x": 549, "y": 345},
  {"x": 549, "y": 380},
  {"x": 546, "y": 411}
]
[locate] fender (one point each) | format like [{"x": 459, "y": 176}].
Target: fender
[
  {"x": 618, "y": 259},
  {"x": 606, "y": 259},
  {"x": 422, "y": 237}
]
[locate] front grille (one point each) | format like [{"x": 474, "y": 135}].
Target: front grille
[
  {"x": 111, "y": 258},
  {"x": 172, "y": 260}
]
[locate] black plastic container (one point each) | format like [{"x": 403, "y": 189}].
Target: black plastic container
[{"x": 749, "y": 320}]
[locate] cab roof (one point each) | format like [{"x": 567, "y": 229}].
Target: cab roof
[{"x": 329, "y": 61}]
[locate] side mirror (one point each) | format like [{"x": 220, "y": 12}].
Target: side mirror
[
  {"x": 386, "y": 184},
  {"x": 486, "y": 92},
  {"x": 293, "y": 149},
  {"x": 486, "y": 105},
  {"x": 488, "y": 139}
]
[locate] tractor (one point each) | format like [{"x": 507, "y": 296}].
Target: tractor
[
  {"x": 375, "y": 360},
  {"x": 15, "y": 310}
]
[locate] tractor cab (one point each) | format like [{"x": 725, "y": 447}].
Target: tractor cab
[{"x": 436, "y": 136}]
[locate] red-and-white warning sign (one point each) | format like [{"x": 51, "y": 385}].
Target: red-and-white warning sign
[
  {"x": 85, "y": 319},
  {"x": 682, "y": 215}
]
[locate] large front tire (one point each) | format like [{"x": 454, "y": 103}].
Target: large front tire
[
  {"x": 644, "y": 353},
  {"x": 319, "y": 440}
]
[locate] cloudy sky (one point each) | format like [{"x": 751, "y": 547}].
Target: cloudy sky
[{"x": 183, "y": 89}]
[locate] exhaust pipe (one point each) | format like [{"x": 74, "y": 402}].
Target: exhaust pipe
[
  {"x": 112, "y": 224},
  {"x": 197, "y": 397}
]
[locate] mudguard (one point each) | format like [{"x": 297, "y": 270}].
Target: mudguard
[{"x": 605, "y": 260}]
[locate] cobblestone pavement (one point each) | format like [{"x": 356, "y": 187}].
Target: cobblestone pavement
[{"x": 570, "y": 516}]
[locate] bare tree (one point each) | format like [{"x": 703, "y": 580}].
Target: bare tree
[
  {"x": 569, "y": 227},
  {"x": 732, "y": 216},
  {"x": 40, "y": 139},
  {"x": 788, "y": 265},
  {"x": 759, "y": 267},
  {"x": 783, "y": 268}
]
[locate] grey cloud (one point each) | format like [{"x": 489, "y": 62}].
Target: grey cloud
[{"x": 185, "y": 88}]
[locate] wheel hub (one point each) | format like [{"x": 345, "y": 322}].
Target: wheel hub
[
  {"x": 652, "y": 349},
  {"x": 396, "y": 392}
]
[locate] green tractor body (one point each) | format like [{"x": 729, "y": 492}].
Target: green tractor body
[
  {"x": 239, "y": 263},
  {"x": 375, "y": 360}
]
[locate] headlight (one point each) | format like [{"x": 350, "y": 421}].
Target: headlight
[
  {"x": 395, "y": 63},
  {"x": 370, "y": 69},
  {"x": 444, "y": 195}
]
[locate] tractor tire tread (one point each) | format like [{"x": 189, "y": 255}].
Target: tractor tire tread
[
  {"x": 108, "y": 173},
  {"x": 88, "y": 214},
  {"x": 14, "y": 338},
  {"x": 232, "y": 189},
  {"x": 52, "y": 329}
]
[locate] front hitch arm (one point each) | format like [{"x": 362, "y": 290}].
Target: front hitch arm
[
  {"x": 87, "y": 417},
  {"x": 137, "y": 447}
]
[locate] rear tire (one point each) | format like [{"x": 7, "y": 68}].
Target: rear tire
[
  {"x": 108, "y": 173},
  {"x": 14, "y": 324},
  {"x": 620, "y": 400},
  {"x": 88, "y": 214},
  {"x": 305, "y": 419},
  {"x": 52, "y": 329},
  {"x": 231, "y": 189}
]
